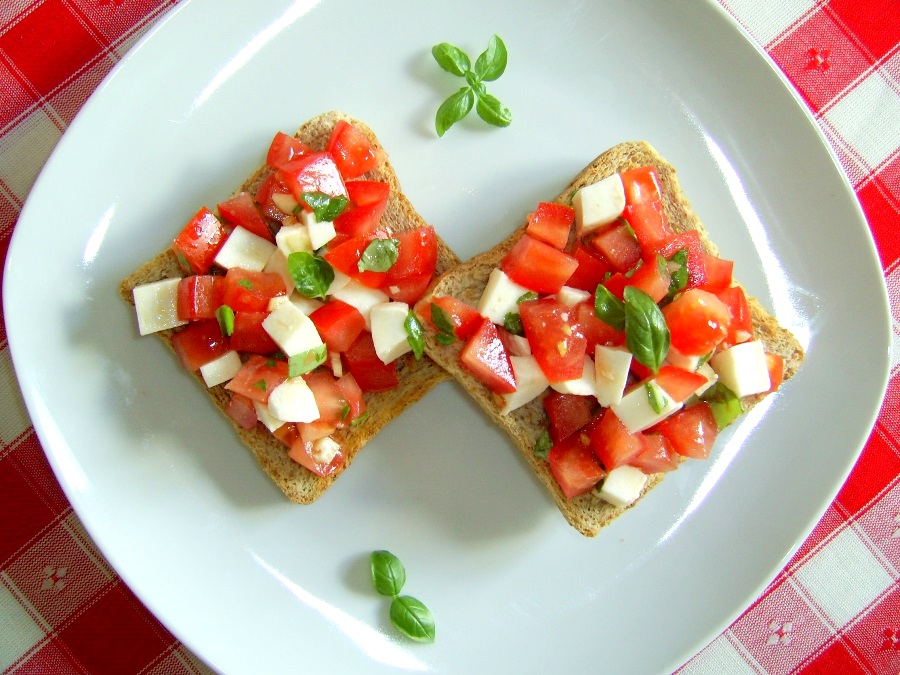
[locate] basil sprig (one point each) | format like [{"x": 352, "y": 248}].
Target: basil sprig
[
  {"x": 324, "y": 206},
  {"x": 312, "y": 275},
  {"x": 489, "y": 65},
  {"x": 306, "y": 361},
  {"x": 415, "y": 334},
  {"x": 409, "y": 615},
  {"x": 646, "y": 334},
  {"x": 379, "y": 256}
]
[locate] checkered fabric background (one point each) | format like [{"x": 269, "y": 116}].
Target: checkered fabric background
[{"x": 834, "y": 609}]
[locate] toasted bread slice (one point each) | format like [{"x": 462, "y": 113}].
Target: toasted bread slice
[
  {"x": 587, "y": 513},
  {"x": 416, "y": 377}
]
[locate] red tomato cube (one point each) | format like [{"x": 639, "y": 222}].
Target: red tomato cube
[
  {"x": 313, "y": 173},
  {"x": 367, "y": 369},
  {"x": 249, "y": 336},
  {"x": 198, "y": 343},
  {"x": 567, "y": 413},
  {"x": 691, "y": 431},
  {"x": 241, "y": 210},
  {"x": 284, "y": 149},
  {"x": 247, "y": 291},
  {"x": 486, "y": 358},
  {"x": 574, "y": 467},
  {"x": 658, "y": 455},
  {"x": 352, "y": 151},
  {"x": 258, "y": 377},
  {"x": 557, "y": 344},
  {"x": 551, "y": 224},
  {"x": 617, "y": 245},
  {"x": 199, "y": 296},
  {"x": 198, "y": 243},
  {"x": 612, "y": 444},
  {"x": 698, "y": 322},
  {"x": 679, "y": 383},
  {"x": 338, "y": 324},
  {"x": 538, "y": 266}
]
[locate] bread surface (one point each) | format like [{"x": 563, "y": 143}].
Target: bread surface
[
  {"x": 587, "y": 513},
  {"x": 416, "y": 377}
]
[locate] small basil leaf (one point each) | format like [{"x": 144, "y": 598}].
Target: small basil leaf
[
  {"x": 608, "y": 308},
  {"x": 412, "y": 618},
  {"x": 359, "y": 419},
  {"x": 325, "y": 207},
  {"x": 525, "y": 297},
  {"x": 543, "y": 445},
  {"x": 379, "y": 256},
  {"x": 304, "y": 362},
  {"x": 260, "y": 384},
  {"x": 441, "y": 320},
  {"x": 415, "y": 334},
  {"x": 724, "y": 403},
  {"x": 655, "y": 397},
  {"x": 454, "y": 109},
  {"x": 225, "y": 316},
  {"x": 492, "y": 111},
  {"x": 445, "y": 338},
  {"x": 513, "y": 323},
  {"x": 646, "y": 334},
  {"x": 246, "y": 283},
  {"x": 312, "y": 275},
  {"x": 451, "y": 58},
  {"x": 491, "y": 63},
  {"x": 680, "y": 275},
  {"x": 388, "y": 573}
]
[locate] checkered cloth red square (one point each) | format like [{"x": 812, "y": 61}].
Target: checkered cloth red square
[{"x": 835, "y": 608}]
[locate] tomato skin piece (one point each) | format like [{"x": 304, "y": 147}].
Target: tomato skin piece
[
  {"x": 612, "y": 444},
  {"x": 551, "y": 224},
  {"x": 249, "y": 336},
  {"x": 338, "y": 324},
  {"x": 775, "y": 366},
  {"x": 241, "y": 410},
  {"x": 329, "y": 399},
  {"x": 353, "y": 396},
  {"x": 573, "y": 466},
  {"x": 592, "y": 269},
  {"x": 247, "y": 291},
  {"x": 199, "y": 296},
  {"x": 538, "y": 266},
  {"x": 657, "y": 457},
  {"x": 740, "y": 328},
  {"x": 556, "y": 343},
  {"x": 651, "y": 278},
  {"x": 199, "y": 241},
  {"x": 352, "y": 151},
  {"x": 679, "y": 383},
  {"x": 241, "y": 210},
  {"x": 284, "y": 148},
  {"x": 313, "y": 173},
  {"x": 198, "y": 343},
  {"x": 617, "y": 245},
  {"x": 567, "y": 413},
  {"x": 301, "y": 452},
  {"x": 698, "y": 322},
  {"x": 258, "y": 377},
  {"x": 270, "y": 186},
  {"x": 691, "y": 431},
  {"x": 487, "y": 359},
  {"x": 370, "y": 372}
]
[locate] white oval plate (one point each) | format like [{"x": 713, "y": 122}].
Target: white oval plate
[{"x": 253, "y": 583}]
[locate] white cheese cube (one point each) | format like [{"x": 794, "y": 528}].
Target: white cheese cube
[
  {"x": 156, "y": 305},
  {"x": 572, "y": 296},
  {"x": 293, "y": 401},
  {"x": 304, "y": 304},
  {"x": 518, "y": 345},
  {"x": 277, "y": 264},
  {"x": 530, "y": 383},
  {"x": 324, "y": 450},
  {"x": 221, "y": 369},
  {"x": 635, "y": 411},
  {"x": 244, "y": 249},
  {"x": 711, "y": 378},
  {"x": 320, "y": 233},
  {"x": 742, "y": 368},
  {"x": 388, "y": 331},
  {"x": 292, "y": 330},
  {"x": 340, "y": 280},
  {"x": 676, "y": 358},
  {"x": 611, "y": 368},
  {"x": 269, "y": 421},
  {"x": 622, "y": 486},
  {"x": 500, "y": 296},
  {"x": 584, "y": 386},
  {"x": 598, "y": 204},
  {"x": 293, "y": 239},
  {"x": 285, "y": 201},
  {"x": 362, "y": 297}
]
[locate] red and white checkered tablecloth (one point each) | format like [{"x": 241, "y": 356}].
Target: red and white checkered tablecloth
[{"x": 835, "y": 608}]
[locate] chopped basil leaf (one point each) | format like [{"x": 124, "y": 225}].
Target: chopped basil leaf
[
  {"x": 445, "y": 338},
  {"x": 630, "y": 273},
  {"x": 608, "y": 308},
  {"x": 657, "y": 400},
  {"x": 415, "y": 334},
  {"x": 225, "y": 317},
  {"x": 513, "y": 323},
  {"x": 679, "y": 276},
  {"x": 271, "y": 363},
  {"x": 388, "y": 573},
  {"x": 246, "y": 283},
  {"x": 572, "y": 197},
  {"x": 304, "y": 362},
  {"x": 325, "y": 207},
  {"x": 526, "y": 297},
  {"x": 543, "y": 445},
  {"x": 359, "y": 419},
  {"x": 442, "y": 322},
  {"x": 260, "y": 384},
  {"x": 312, "y": 275},
  {"x": 725, "y": 405},
  {"x": 412, "y": 618},
  {"x": 345, "y": 410},
  {"x": 646, "y": 334},
  {"x": 379, "y": 256}
]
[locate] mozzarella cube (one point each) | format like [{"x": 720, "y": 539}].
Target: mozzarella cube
[
  {"x": 340, "y": 280},
  {"x": 388, "y": 330},
  {"x": 221, "y": 369},
  {"x": 244, "y": 249},
  {"x": 320, "y": 233},
  {"x": 611, "y": 368},
  {"x": 285, "y": 202},
  {"x": 711, "y": 378},
  {"x": 635, "y": 410},
  {"x": 530, "y": 383},
  {"x": 676, "y": 358},
  {"x": 293, "y": 239},
  {"x": 156, "y": 305},
  {"x": 293, "y": 401},
  {"x": 269, "y": 421},
  {"x": 362, "y": 297},
  {"x": 325, "y": 449},
  {"x": 518, "y": 345},
  {"x": 292, "y": 331},
  {"x": 598, "y": 204},
  {"x": 500, "y": 296},
  {"x": 742, "y": 368},
  {"x": 572, "y": 296},
  {"x": 304, "y": 304},
  {"x": 277, "y": 264},
  {"x": 622, "y": 486},
  {"x": 584, "y": 385}
]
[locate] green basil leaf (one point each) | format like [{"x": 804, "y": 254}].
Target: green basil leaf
[
  {"x": 415, "y": 334},
  {"x": 412, "y": 618},
  {"x": 445, "y": 338},
  {"x": 525, "y": 297},
  {"x": 306, "y": 361},
  {"x": 454, "y": 109},
  {"x": 225, "y": 317},
  {"x": 608, "y": 308},
  {"x": 325, "y": 207},
  {"x": 491, "y": 63},
  {"x": 379, "y": 256},
  {"x": 388, "y": 573},
  {"x": 638, "y": 265},
  {"x": 679, "y": 276},
  {"x": 442, "y": 322},
  {"x": 724, "y": 403},
  {"x": 513, "y": 323},
  {"x": 359, "y": 419},
  {"x": 260, "y": 384},
  {"x": 492, "y": 111},
  {"x": 654, "y": 395},
  {"x": 646, "y": 334},
  {"x": 246, "y": 283},
  {"x": 543, "y": 445},
  {"x": 345, "y": 410},
  {"x": 312, "y": 275},
  {"x": 451, "y": 58}
]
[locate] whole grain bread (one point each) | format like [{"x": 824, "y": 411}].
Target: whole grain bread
[
  {"x": 587, "y": 513},
  {"x": 416, "y": 377}
]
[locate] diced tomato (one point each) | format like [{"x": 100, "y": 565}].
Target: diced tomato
[
  {"x": 679, "y": 383},
  {"x": 486, "y": 358},
  {"x": 409, "y": 289},
  {"x": 301, "y": 452},
  {"x": 241, "y": 410},
  {"x": 198, "y": 243},
  {"x": 338, "y": 324},
  {"x": 353, "y": 397},
  {"x": 690, "y": 242},
  {"x": 649, "y": 222},
  {"x": 557, "y": 344},
  {"x": 198, "y": 343},
  {"x": 313, "y": 173},
  {"x": 697, "y": 321},
  {"x": 284, "y": 149},
  {"x": 463, "y": 318},
  {"x": 247, "y": 291},
  {"x": 652, "y": 278},
  {"x": 551, "y": 224},
  {"x": 241, "y": 210},
  {"x": 538, "y": 266},
  {"x": 574, "y": 467},
  {"x": 313, "y": 431},
  {"x": 718, "y": 273},
  {"x": 365, "y": 192},
  {"x": 258, "y": 377},
  {"x": 567, "y": 413},
  {"x": 249, "y": 336},
  {"x": 740, "y": 328},
  {"x": 592, "y": 269},
  {"x": 595, "y": 331},
  {"x": 363, "y": 363},
  {"x": 658, "y": 456},
  {"x": 691, "y": 431},
  {"x": 345, "y": 258},
  {"x": 515, "y": 345},
  {"x": 271, "y": 186},
  {"x": 352, "y": 151},
  {"x": 641, "y": 372},
  {"x": 368, "y": 201},
  {"x": 641, "y": 185},
  {"x": 775, "y": 365},
  {"x": 287, "y": 433},
  {"x": 199, "y": 296},
  {"x": 618, "y": 246},
  {"x": 329, "y": 399},
  {"x": 616, "y": 285},
  {"x": 612, "y": 444},
  {"x": 417, "y": 254}
]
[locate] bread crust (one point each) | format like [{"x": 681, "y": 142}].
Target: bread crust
[
  {"x": 587, "y": 513},
  {"x": 416, "y": 377}
]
